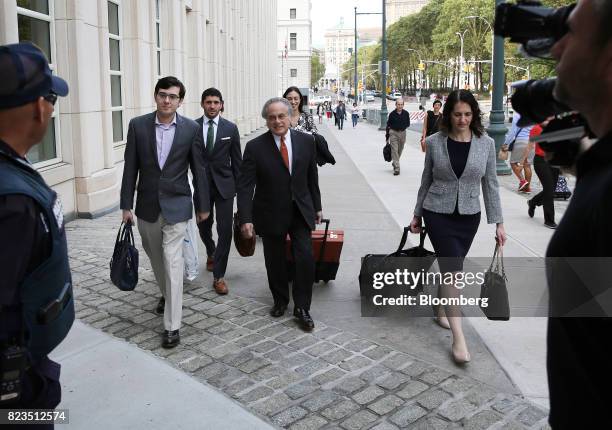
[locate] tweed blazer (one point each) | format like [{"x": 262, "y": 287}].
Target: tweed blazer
[{"x": 441, "y": 189}]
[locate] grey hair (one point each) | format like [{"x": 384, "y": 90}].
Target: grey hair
[{"x": 264, "y": 110}]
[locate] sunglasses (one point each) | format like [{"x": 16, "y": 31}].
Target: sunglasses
[{"x": 51, "y": 98}]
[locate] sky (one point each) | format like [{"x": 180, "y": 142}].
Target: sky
[{"x": 326, "y": 14}]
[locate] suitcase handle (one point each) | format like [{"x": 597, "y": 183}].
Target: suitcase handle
[
  {"x": 322, "y": 250},
  {"x": 405, "y": 238}
]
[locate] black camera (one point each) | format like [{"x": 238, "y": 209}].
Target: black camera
[{"x": 535, "y": 27}]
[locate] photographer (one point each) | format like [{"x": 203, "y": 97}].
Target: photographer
[{"x": 578, "y": 347}]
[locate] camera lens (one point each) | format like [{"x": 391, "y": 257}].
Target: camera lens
[{"x": 534, "y": 101}]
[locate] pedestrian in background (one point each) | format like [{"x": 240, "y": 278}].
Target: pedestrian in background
[
  {"x": 334, "y": 108},
  {"x": 397, "y": 123},
  {"x": 320, "y": 111},
  {"x": 341, "y": 115},
  {"x": 431, "y": 125},
  {"x": 160, "y": 147},
  {"x": 278, "y": 195},
  {"x": 355, "y": 110},
  {"x": 521, "y": 156},
  {"x": 34, "y": 262},
  {"x": 458, "y": 161},
  {"x": 300, "y": 120},
  {"x": 222, "y": 159}
]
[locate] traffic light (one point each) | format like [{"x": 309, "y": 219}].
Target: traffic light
[{"x": 421, "y": 66}]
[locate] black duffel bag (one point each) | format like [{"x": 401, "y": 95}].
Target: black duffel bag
[
  {"x": 416, "y": 259},
  {"x": 124, "y": 262}
]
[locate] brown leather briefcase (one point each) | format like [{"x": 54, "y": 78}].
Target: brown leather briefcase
[
  {"x": 244, "y": 246},
  {"x": 326, "y": 248}
]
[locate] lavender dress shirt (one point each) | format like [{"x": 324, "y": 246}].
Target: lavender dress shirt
[{"x": 164, "y": 136}]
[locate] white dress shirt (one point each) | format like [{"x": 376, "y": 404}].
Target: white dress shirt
[
  {"x": 289, "y": 148},
  {"x": 205, "y": 128}
]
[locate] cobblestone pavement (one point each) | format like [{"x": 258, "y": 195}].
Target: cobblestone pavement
[{"x": 326, "y": 379}]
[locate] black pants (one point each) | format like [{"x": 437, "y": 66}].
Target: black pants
[
  {"x": 224, "y": 211},
  {"x": 276, "y": 263},
  {"x": 340, "y": 122},
  {"x": 548, "y": 176}
]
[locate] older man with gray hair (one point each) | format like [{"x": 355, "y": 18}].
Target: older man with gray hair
[{"x": 278, "y": 194}]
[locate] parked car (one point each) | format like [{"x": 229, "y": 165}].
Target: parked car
[
  {"x": 394, "y": 96},
  {"x": 377, "y": 93},
  {"x": 369, "y": 96}
]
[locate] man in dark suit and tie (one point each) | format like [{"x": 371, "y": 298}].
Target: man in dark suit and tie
[
  {"x": 278, "y": 194},
  {"x": 160, "y": 147},
  {"x": 222, "y": 159}
]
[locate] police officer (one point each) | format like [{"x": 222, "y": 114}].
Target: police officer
[{"x": 36, "y": 302}]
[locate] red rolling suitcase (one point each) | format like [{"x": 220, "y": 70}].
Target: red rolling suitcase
[{"x": 326, "y": 248}]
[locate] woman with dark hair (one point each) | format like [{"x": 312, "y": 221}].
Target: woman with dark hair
[
  {"x": 300, "y": 120},
  {"x": 431, "y": 125},
  {"x": 458, "y": 160}
]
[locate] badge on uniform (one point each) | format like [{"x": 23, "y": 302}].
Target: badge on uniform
[{"x": 58, "y": 212}]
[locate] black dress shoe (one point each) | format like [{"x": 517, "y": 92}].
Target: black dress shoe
[
  {"x": 531, "y": 210},
  {"x": 159, "y": 310},
  {"x": 278, "y": 310},
  {"x": 304, "y": 319},
  {"x": 171, "y": 339}
]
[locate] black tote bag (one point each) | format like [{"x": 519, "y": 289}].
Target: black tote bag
[
  {"x": 387, "y": 152},
  {"x": 494, "y": 289},
  {"x": 415, "y": 259},
  {"x": 124, "y": 262}
]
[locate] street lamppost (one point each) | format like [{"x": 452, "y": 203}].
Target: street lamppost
[
  {"x": 383, "y": 69},
  {"x": 492, "y": 48},
  {"x": 497, "y": 129},
  {"x": 461, "y": 36},
  {"x": 355, "y": 44}
]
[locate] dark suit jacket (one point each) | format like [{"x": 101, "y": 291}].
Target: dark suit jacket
[
  {"x": 223, "y": 164},
  {"x": 264, "y": 174},
  {"x": 164, "y": 190}
]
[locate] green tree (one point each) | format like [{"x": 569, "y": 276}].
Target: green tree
[
  {"x": 366, "y": 55},
  {"x": 317, "y": 70}
]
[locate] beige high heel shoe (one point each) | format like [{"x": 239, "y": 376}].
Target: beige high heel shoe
[{"x": 460, "y": 359}]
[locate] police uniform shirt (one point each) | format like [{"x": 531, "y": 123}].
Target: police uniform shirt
[{"x": 26, "y": 241}]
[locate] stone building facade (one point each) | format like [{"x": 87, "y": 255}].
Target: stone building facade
[{"x": 111, "y": 52}]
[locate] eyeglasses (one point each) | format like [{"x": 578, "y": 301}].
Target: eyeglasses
[
  {"x": 172, "y": 97},
  {"x": 280, "y": 117},
  {"x": 51, "y": 98}
]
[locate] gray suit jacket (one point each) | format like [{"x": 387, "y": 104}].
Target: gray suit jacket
[
  {"x": 164, "y": 190},
  {"x": 441, "y": 189}
]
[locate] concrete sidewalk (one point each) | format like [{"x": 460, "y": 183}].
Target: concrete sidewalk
[
  {"x": 350, "y": 372},
  {"x": 108, "y": 383},
  {"x": 519, "y": 345}
]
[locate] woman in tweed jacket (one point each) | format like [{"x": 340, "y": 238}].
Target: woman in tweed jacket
[{"x": 459, "y": 160}]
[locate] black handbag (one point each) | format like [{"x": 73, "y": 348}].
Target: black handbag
[
  {"x": 494, "y": 289},
  {"x": 124, "y": 262},
  {"x": 387, "y": 152},
  {"x": 416, "y": 259}
]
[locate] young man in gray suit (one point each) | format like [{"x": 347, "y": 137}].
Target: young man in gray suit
[
  {"x": 160, "y": 147},
  {"x": 222, "y": 158}
]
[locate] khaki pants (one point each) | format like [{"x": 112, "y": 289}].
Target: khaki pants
[
  {"x": 163, "y": 243},
  {"x": 397, "y": 139}
]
